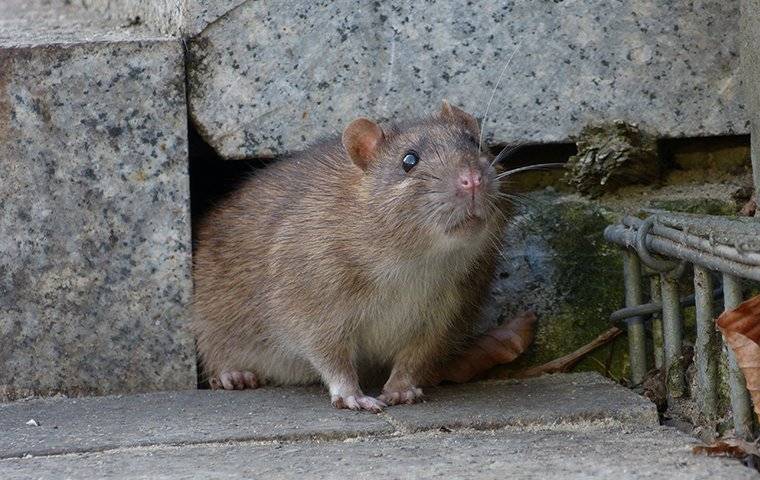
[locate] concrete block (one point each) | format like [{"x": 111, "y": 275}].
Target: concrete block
[
  {"x": 94, "y": 217},
  {"x": 265, "y": 80},
  {"x": 582, "y": 452},
  {"x": 546, "y": 400},
  {"x": 199, "y": 416}
]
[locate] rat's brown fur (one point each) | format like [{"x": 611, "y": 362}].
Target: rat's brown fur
[{"x": 319, "y": 268}]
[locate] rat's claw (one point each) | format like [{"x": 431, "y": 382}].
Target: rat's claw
[
  {"x": 358, "y": 402},
  {"x": 408, "y": 396}
]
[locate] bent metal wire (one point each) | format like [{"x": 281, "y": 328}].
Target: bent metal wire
[{"x": 666, "y": 242}]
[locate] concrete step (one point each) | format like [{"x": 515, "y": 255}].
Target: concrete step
[
  {"x": 196, "y": 416},
  {"x": 574, "y": 426}
]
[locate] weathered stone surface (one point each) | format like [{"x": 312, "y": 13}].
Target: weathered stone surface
[
  {"x": 94, "y": 219},
  {"x": 110, "y": 18},
  {"x": 198, "y": 416},
  {"x": 558, "y": 428},
  {"x": 750, "y": 75},
  {"x": 265, "y": 80},
  {"x": 558, "y": 265},
  {"x": 575, "y": 452},
  {"x": 46, "y": 22},
  {"x": 546, "y": 400},
  {"x": 88, "y": 424},
  {"x": 200, "y": 13}
]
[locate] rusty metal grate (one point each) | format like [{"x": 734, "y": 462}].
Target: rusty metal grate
[{"x": 723, "y": 252}]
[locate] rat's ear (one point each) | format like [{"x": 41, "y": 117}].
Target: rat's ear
[
  {"x": 458, "y": 115},
  {"x": 361, "y": 139}
]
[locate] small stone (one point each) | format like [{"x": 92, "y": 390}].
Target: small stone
[{"x": 33, "y": 423}]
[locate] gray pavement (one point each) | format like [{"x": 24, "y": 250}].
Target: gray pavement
[{"x": 573, "y": 426}]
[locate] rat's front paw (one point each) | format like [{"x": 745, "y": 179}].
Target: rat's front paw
[
  {"x": 407, "y": 395},
  {"x": 358, "y": 402}
]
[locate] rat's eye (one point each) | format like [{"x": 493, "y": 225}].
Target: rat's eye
[{"x": 409, "y": 161}]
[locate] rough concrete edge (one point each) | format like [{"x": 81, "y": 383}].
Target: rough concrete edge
[
  {"x": 647, "y": 418},
  {"x": 328, "y": 435},
  {"x": 336, "y": 436},
  {"x": 643, "y": 415}
]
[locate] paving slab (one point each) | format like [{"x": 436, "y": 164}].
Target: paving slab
[
  {"x": 551, "y": 399},
  {"x": 91, "y": 424},
  {"x": 195, "y": 416},
  {"x": 264, "y": 80},
  {"x": 585, "y": 451},
  {"x": 95, "y": 243}
]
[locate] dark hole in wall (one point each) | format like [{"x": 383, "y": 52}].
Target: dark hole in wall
[
  {"x": 212, "y": 177},
  {"x": 534, "y": 154},
  {"x": 729, "y": 152}
]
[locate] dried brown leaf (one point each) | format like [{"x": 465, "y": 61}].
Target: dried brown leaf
[
  {"x": 730, "y": 447},
  {"x": 497, "y": 346},
  {"x": 741, "y": 331},
  {"x": 750, "y": 207}
]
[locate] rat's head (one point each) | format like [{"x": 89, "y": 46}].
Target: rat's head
[{"x": 427, "y": 176}]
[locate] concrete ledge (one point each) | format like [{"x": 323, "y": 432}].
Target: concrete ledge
[
  {"x": 547, "y": 400},
  {"x": 196, "y": 416},
  {"x": 92, "y": 424}
]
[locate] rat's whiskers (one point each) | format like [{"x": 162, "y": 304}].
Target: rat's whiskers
[{"x": 490, "y": 100}]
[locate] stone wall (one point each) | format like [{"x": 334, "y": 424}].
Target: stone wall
[{"x": 94, "y": 208}]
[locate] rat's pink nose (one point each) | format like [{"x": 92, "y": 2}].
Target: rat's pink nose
[{"x": 469, "y": 181}]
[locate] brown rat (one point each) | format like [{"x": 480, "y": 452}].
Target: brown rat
[{"x": 367, "y": 252}]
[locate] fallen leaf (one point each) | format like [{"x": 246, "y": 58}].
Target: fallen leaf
[
  {"x": 497, "y": 346},
  {"x": 741, "y": 331},
  {"x": 729, "y": 447},
  {"x": 750, "y": 207}
]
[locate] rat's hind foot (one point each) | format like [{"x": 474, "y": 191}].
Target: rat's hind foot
[
  {"x": 234, "y": 380},
  {"x": 358, "y": 402},
  {"x": 409, "y": 395}
]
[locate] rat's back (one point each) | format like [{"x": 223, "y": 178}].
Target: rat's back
[{"x": 245, "y": 245}]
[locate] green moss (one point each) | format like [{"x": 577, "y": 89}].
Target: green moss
[
  {"x": 709, "y": 206},
  {"x": 588, "y": 286}
]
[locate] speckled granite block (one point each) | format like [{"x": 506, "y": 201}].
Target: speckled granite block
[
  {"x": 94, "y": 219},
  {"x": 265, "y": 79}
]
